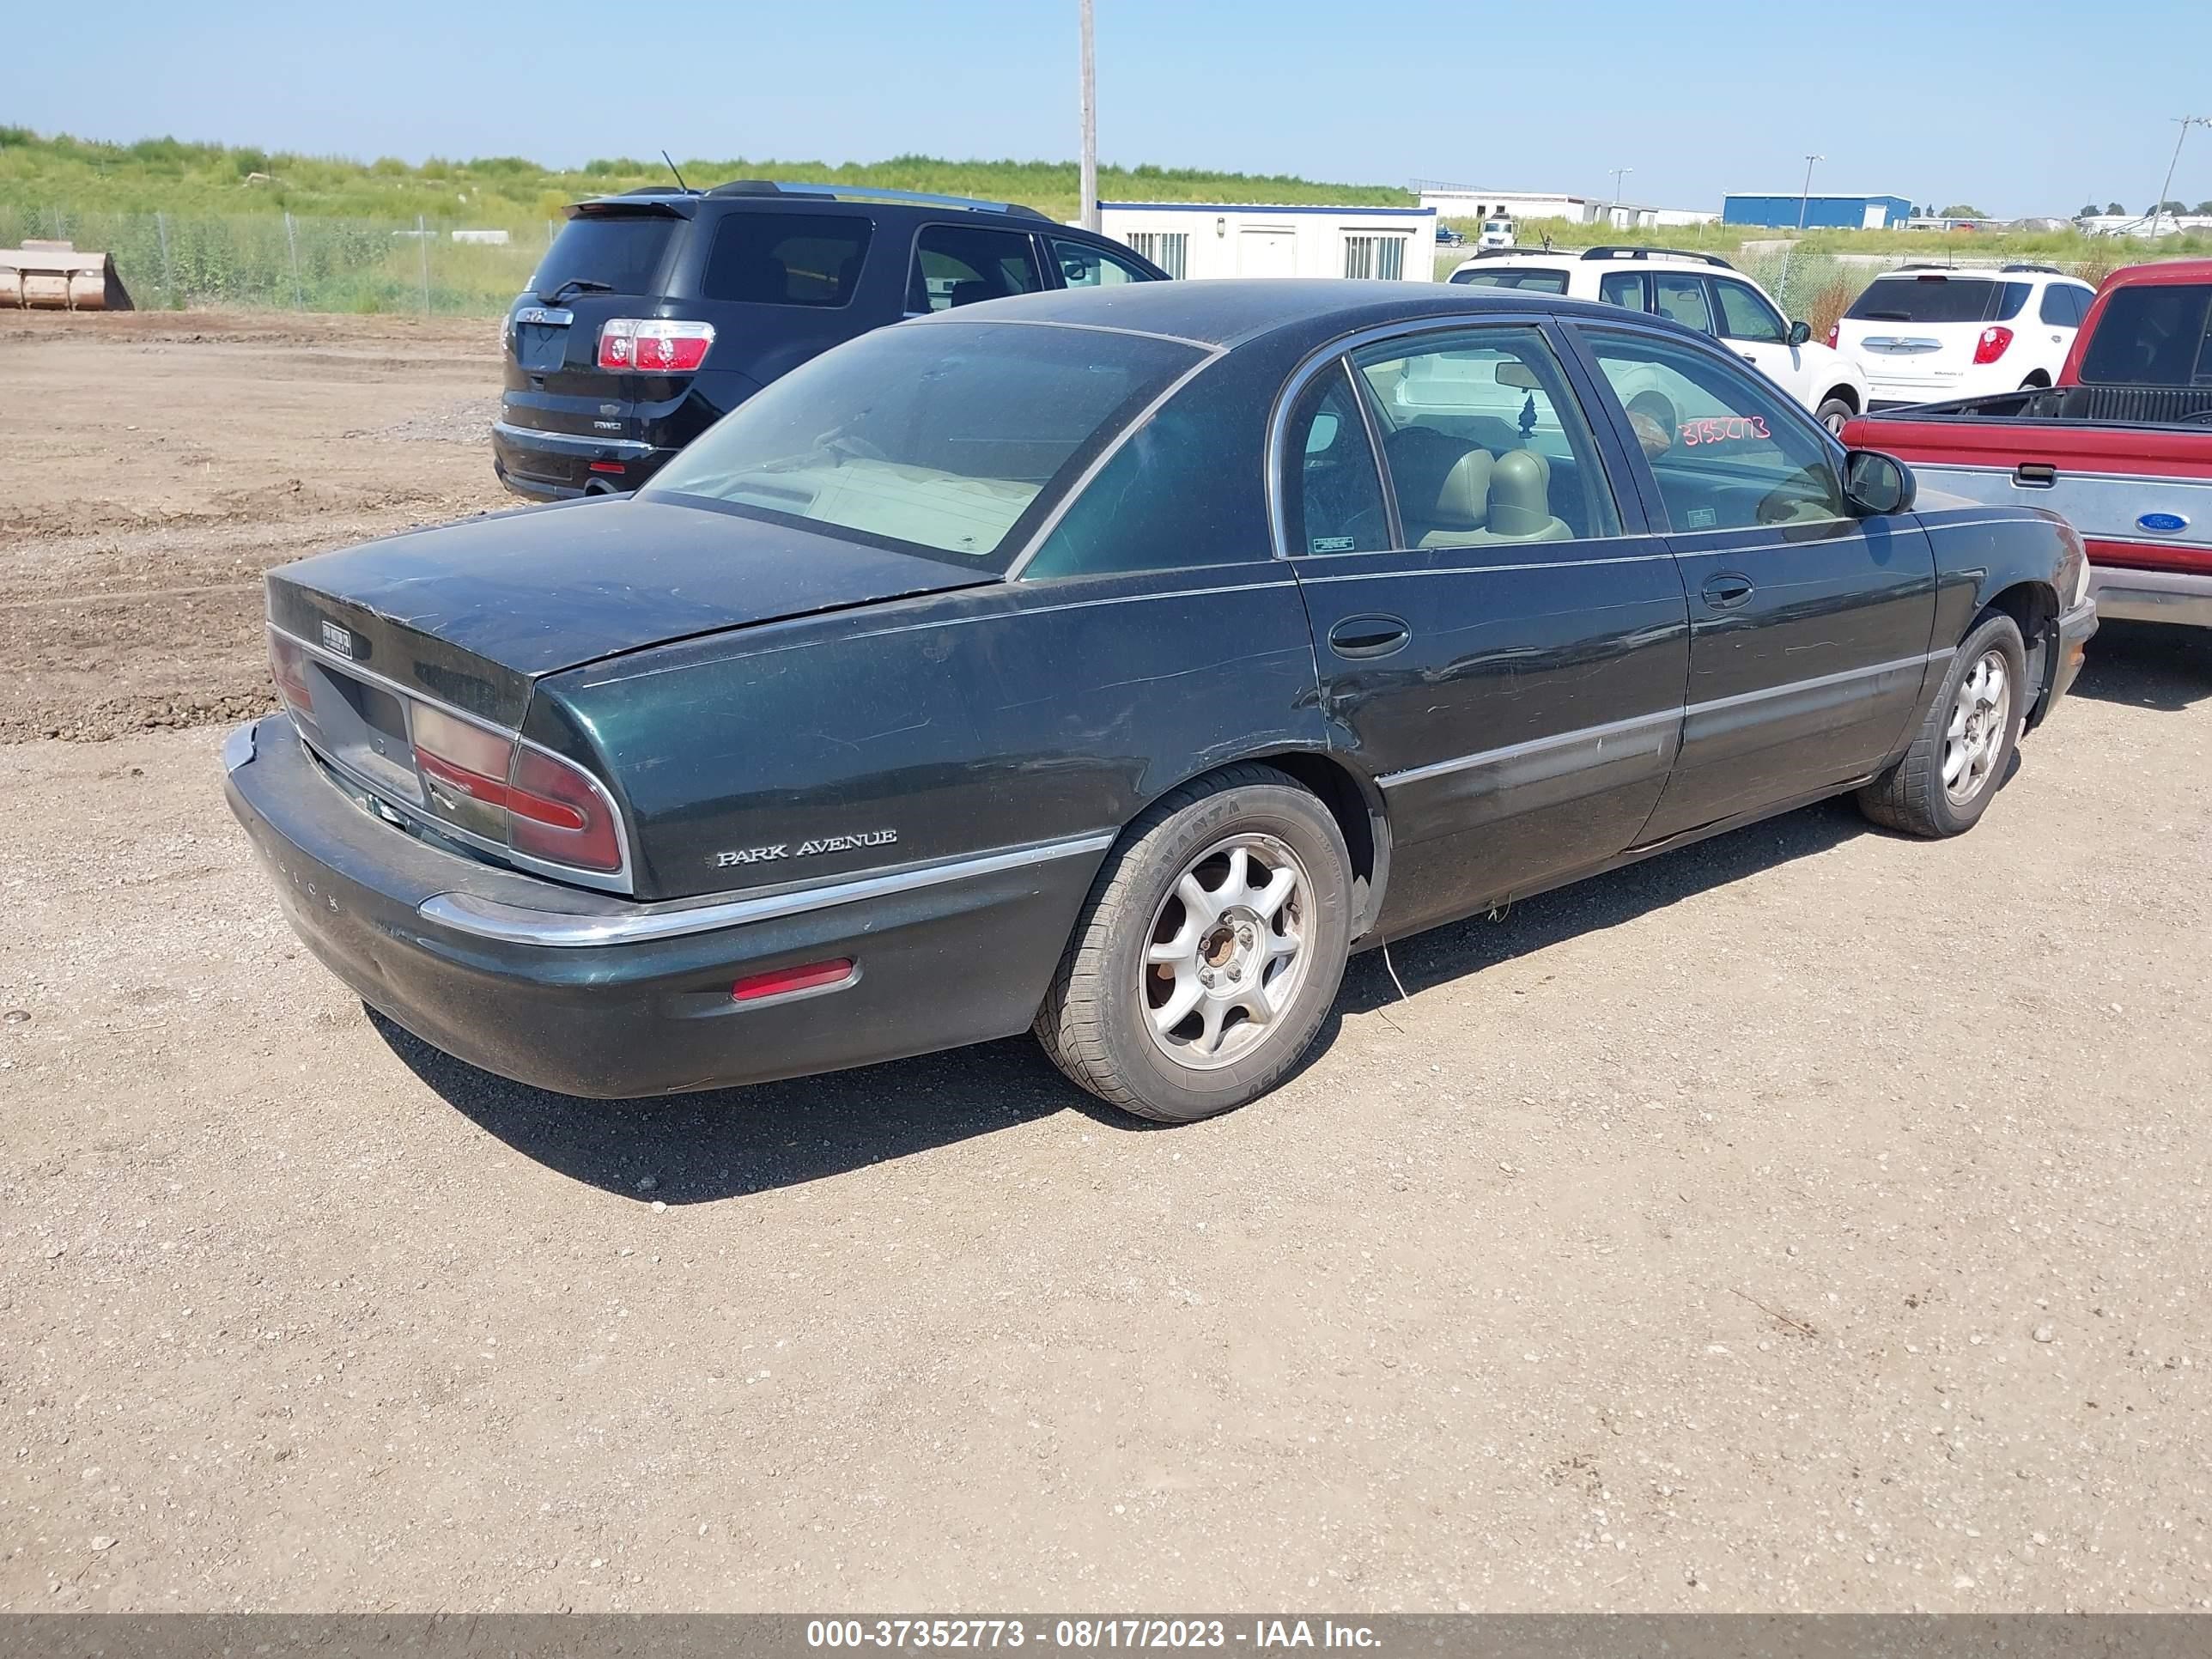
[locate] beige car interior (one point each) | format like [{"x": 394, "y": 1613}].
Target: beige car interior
[{"x": 1454, "y": 493}]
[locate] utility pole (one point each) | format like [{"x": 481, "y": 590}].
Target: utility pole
[
  {"x": 1090, "y": 126},
  {"x": 1613, "y": 214},
  {"x": 1805, "y": 196},
  {"x": 2184, "y": 122}
]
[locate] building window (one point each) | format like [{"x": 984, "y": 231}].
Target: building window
[
  {"x": 1380, "y": 257},
  {"x": 1168, "y": 249}
]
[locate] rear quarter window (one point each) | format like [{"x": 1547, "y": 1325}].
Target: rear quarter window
[
  {"x": 625, "y": 250},
  {"x": 786, "y": 258}
]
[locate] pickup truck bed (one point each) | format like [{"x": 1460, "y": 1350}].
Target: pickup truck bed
[{"x": 2121, "y": 447}]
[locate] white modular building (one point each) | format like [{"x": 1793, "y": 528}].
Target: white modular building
[
  {"x": 1471, "y": 202},
  {"x": 1199, "y": 239}
]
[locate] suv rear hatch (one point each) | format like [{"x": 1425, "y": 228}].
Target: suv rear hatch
[
  {"x": 610, "y": 261},
  {"x": 1916, "y": 333}
]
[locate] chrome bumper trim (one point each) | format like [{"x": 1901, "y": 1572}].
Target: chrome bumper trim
[
  {"x": 569, "y": 443},
  {"x": 513, "y": 924}
]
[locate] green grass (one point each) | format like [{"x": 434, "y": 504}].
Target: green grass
[{"x": 509, "y": 192}]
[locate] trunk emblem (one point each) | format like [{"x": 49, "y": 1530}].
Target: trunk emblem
[
  {"x": 337, "y": 639},
  {"x": 2162, "y": 524}
]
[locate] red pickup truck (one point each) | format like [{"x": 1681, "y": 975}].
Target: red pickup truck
[{"x": 2121, "y": 446}]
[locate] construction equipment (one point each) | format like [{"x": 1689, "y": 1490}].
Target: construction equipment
[{"x": 55, "y": 276}]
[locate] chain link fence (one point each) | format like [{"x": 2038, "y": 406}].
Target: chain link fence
[{"x": 284, "y": 261}]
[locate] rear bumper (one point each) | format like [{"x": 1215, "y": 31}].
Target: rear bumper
[
  {"x": 551, "y": 466},
  {"x": 585, "y": 995},
  {"x": 2166, "y": 596}
]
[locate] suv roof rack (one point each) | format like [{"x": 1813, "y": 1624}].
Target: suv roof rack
[
  {"x": 1633, "y": 251},
  {"x": 872, "y": 193},
  {"x": 2052, "y": 270}
]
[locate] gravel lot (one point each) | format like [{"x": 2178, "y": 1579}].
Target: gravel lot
[{"x": 1809, "y": 1220}]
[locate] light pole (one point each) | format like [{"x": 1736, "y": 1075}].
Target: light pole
[
  {"x": 2184, "y": 122},
  {"x": 1090, "y": 127},
  {"x": 1613, "y": 214},
  {"x": 1805, "y": 196}
]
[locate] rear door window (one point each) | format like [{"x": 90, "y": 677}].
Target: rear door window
[
  {"x": 624, "y": 250},
  {"x": 2155, "y": 334},
  {"x": 1682, "y": 300},
  {"x": 1625, "y": 288},
  {"x": 786, "y": 258},
  {"x": 1082, "y": 266},
  {"x": 961, "y": 264}
]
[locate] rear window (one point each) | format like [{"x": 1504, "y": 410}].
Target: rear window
[
  {"x": 624, "y": 251},
  {"x": 1938, "y": 299},
  {"x": 950, "y": 440},
  {"x": 1536, "y": 282},
  {"x": 786, "y": 258},
  {"x": 2152, "y": 335}
]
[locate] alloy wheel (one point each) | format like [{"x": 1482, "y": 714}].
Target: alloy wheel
[
  {"x": 1981, "y": 718},
  {"x": 1228, "y": 951}
]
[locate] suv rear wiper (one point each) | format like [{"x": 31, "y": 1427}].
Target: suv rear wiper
[{"x": 575, "y": 285}]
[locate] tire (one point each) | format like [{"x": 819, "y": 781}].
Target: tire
[
  {"x": 1834, "y": 412},
  {"x": 1914, "y": 796},
  {"x": 1101, "y": 1022}
]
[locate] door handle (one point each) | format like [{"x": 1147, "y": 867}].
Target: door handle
[
  {"x": 1727, "y": 591},
  {"x": 2034, "y": 475},
  {"x": 1369, "y": 637}
]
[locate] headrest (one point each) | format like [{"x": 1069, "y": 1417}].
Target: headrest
[
  {"x": 1520, "y": 494},
  {"x": 1463, "y": 497}
]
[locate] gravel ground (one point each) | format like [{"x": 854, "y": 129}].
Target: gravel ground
[{"x": 1812, "y": 1219}]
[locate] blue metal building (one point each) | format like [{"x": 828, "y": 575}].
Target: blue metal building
[{"x": 1824, "y": 211}]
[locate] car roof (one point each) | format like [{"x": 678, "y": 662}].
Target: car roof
[
  {"x": 1229, "y": 312},
  {"x": 757, "y": 194}
]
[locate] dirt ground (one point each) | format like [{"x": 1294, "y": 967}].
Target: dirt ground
[
  {"x": 1812, "y": 1219},
  {"x": 178, "y": 456}
]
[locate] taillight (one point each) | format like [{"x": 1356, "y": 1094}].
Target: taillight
[
  {"x": 1991, "y": 346},
  {"x": 560, "y": 815},
  {"x": 489, "y": 782},
  {"x": 634, "y": 345},
  {"x": 288, "y": 667},
  {"x": 1835, "y": 334}
]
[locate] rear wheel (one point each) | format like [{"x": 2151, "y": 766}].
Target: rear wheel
[
  {"x": 1209, "y": 950},
  {"x": 1965, "y": 742}
]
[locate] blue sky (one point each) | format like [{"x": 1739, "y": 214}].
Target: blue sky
[{"x": 2017, "y": 105}]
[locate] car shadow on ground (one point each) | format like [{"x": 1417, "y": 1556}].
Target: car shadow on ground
[
  {"x": 2148, "y": 666},
  {"x": 691, "y": 1149}
]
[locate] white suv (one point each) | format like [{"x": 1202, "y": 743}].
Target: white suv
[
  {"x": 1702, "y": 290},
  {"x": 1931, "y": 333}
]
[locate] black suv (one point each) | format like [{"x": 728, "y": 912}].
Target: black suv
[{"x": 657, "y": 311}]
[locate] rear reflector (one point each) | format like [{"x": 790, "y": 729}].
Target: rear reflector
[
  {"x": 609, "y": 466},
  {"x": 782, "y": 981},
  {"x": 637, "y": 345}
]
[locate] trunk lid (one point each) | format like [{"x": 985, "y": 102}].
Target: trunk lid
[{"x": 472, "y": 614}]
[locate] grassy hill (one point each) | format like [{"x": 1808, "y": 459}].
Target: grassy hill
[{"x": 165, "y": 174}]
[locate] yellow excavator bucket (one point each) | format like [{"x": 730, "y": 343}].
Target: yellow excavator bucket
[{"x": 56, "y": 276}]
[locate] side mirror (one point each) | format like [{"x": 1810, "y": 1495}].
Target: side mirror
[
  {"x": 1800, "y": 332},
  {"x": 1876, "y": 485}
]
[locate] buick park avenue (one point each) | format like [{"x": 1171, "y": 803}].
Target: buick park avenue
[{"x": 1112, "y": 664}]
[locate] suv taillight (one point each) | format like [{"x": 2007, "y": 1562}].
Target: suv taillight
[
  {"x": 1991, "y": 346},
  {"x": 491, "y": 783},
  {"x": 1835, "y": 334},
  {"x": 635, "y": 345}
]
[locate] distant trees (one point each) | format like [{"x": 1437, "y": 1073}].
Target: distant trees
[
  {"x": 1962, "y": 210},
  {"x": 2166, "y": 207},
  {"x": 2114, "y": 208}
]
